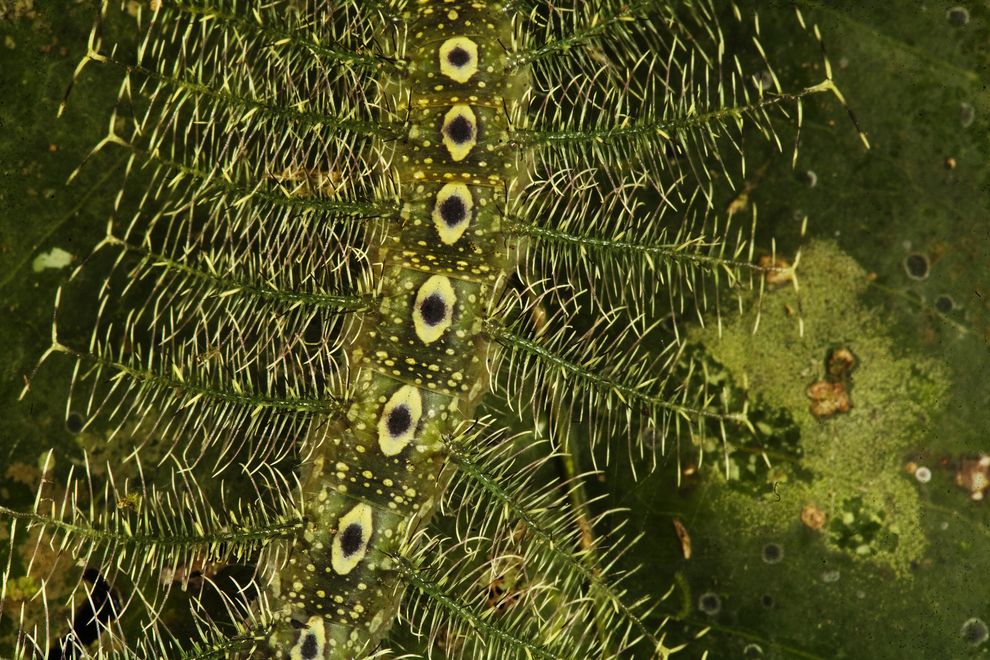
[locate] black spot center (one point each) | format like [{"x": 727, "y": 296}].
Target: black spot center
[
  {"x": 460, "y": 130},
  {"x": 458, "y": 57},
  {"x": 399, "y": 421},
  {"x": 433, "y": 309},
  {"x": 350, "y": 539},
  {"x": 308, "y": 649},
  {"x": 452, "y": 210}
]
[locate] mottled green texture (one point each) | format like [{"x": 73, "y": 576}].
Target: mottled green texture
[
  {"x": 855, "y": 459},
  {"x": 895, "y": 554}
]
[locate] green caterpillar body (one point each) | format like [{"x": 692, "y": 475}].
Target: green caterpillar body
[
  {"x": 420, "y": 366},
  {"x": 377, "y": 270}
]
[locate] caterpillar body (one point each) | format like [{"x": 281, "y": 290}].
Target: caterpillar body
[
  {"x": 421, "y": 367},
  {"x": 353, "y": 234}
]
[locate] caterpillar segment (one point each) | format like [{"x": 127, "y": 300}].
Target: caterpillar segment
[{"x": 420, "y": 360}]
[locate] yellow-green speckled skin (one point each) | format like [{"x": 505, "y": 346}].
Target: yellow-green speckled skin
[{"x": 336, "y": 615}]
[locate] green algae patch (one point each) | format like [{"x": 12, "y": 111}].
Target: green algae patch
[{"x": 823, "y": 370}]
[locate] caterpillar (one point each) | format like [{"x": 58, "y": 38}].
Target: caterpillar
[{"x": 375, "y": 260}]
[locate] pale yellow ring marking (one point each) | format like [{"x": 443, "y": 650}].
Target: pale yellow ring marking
[
  {"x": 409, "y": 397},
  {"x": 360, "y": 514},
  {"x": 462, "y": 73},
  {"x": 439, "y": 285},
  {"x": 460, "y": 151},
  {"x": 450, "y": 234},
  {"x": 314, "y": 625}
]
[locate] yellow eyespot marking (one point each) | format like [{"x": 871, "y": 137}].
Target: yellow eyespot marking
[
  {"x": 452, "y": 213},
  {"x": 400, "y": 416},
  {"x": 460, "y": 131},
  {"x": 350, "y": 544},
  {"x": 312, "y": 640},
  {"x": 459, "y": 59},
  {"x": 433, "y": 311}
]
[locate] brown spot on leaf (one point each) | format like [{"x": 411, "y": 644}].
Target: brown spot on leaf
[
  {"x": 812, "y": 517},
  {"x": 973, "y": 476},
  {"x": 828, "y": 399}
]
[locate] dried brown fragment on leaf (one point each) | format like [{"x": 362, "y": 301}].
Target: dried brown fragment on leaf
[
  {"x": 828, "y": 399},
  {"x": 830, "y": 396},
  {"x": 129, "y": 502},
  {"x": 778, "y": 271},
  {"x": 812, "y": 517},
  {"x": 841, "y": 362},
  {"x": 683, "y": 537},
  {"x": 973, "y": 476}
]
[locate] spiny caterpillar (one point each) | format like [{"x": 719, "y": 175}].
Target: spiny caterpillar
[
  {"x": 419, "y": 364},
  {"x": 359, "y": 230}
]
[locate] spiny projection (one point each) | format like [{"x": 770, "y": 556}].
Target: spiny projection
[{"x": 363, "y": 246}]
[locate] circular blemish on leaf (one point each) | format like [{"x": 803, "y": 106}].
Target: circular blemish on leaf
[
  {"x": 957, "y": 16},
  {"x": 916, "y": 266},
  {"x": 967, "y": 114},
  {"x": 773, "y": 553},
  {"x": 710, "y": 603},
  {"x": 974, "y": 632},
  {"x": 74, "y": 423}
]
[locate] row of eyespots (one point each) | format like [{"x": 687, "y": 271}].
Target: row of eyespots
[{"x": 432, "y": 316}]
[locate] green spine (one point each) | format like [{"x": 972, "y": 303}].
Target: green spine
[{"x": 420, "y": 357}]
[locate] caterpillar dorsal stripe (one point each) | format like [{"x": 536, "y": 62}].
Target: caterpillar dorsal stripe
[
  {"x": 354, "y": 235},
  {"x": 413, "y": 383}
]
